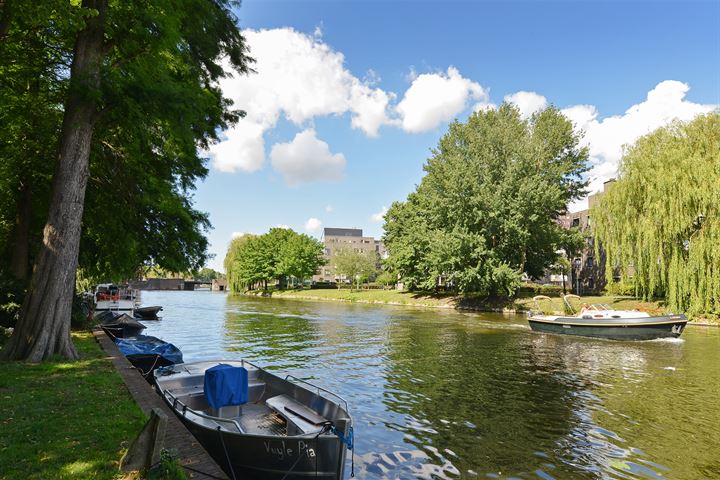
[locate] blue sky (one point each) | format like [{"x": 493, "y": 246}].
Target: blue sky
[{"x": 350, "y": 97}]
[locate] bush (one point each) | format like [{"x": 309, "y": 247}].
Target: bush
[
  {"x": 12, "y": 294},
  {"x": 538, "y": 289},
  {"x": 621, "y": 287},
  {"x": 81, "y": 317}
]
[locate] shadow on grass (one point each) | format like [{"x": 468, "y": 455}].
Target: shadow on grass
[{"x": 65, "y": 419}]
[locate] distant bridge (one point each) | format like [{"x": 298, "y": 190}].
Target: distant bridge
[{"x": 177, "y": 284}]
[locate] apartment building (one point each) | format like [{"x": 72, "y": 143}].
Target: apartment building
[{"x": 336, "y": 238}]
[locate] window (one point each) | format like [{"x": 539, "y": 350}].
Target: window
[
  {"x": 575, "y": 222},
  {"x": 589, "y": 262}
]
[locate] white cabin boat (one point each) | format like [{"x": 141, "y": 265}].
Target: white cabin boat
[{"x": 114, "y": 298}]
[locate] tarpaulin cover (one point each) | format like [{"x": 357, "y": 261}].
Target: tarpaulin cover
[
  {"x": 226, "y": 385},
  {"x": 145, "y": 344}
]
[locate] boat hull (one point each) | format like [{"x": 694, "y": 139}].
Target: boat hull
[
  {"x": 147, "y": 313},
  {"x": 259, "y": 457},
  {"x": 282, "y": 430},
  {"x": 647, "y": 329}
]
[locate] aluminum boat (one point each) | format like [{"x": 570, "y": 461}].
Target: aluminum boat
[{"x": 256, "y": 424}]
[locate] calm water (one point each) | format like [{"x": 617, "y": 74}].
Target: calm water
[{"x": 438, "y": 394}]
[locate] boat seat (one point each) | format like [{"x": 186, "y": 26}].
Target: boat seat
[{"x": 300, "y": 418}]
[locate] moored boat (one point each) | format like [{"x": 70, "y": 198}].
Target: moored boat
[
  {"x": 147, "y": 353},
  {"x": 119, "y": 326},
  {"x": 256, "y": 424},
  {"x": 108, "y": 297},
  {"x": 603, "y": 322},
  {"x": 147, "y": 313}
]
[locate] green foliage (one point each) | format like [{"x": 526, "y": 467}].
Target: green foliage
[
  {"x": 169, "y": 467},
  {"x": 660, "y": 221},
  {"x": 355, "y": 265},
  {"x": 386, "y": 278},
  {"x": 160, "y": 107},
  {"x": 11, "y": 295},
  {"x": 537, "y": 289},
  {"x": 208, "y": 274},
  {"x": 277, "y": 255},
  {"x": 487, "y": 208},
  {"x": 625, "y": 286},
  {"x": 81, "y": 317}
]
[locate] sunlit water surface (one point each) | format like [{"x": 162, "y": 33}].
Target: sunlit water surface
[{"x": 443, "y": 394}]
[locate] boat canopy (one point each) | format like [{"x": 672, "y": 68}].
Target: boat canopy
[
  {"x": 226, "y": 385},
  {"x": 147, "y": 345}
]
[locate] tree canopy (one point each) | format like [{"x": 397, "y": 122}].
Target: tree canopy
[
  {"x": 659, "y": 223},
  {"x": 106, "y": 107},
  {"x": 159, "y": 105},
  {"x": 354, "y": 264},
  {"x": 487, "y": 209},
  {"x": 255, "y": 260}
]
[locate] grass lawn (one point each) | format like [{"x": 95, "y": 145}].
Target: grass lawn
[
  {"x": 65, "y": 419},
  {"x": 522, "y": 303}
]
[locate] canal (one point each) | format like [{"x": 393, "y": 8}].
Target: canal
[{"x": 445, "y": 394}]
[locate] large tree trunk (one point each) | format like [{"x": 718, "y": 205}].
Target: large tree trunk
[{"x": 44, "y": 325}]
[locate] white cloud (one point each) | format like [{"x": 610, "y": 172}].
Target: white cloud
[
  {"x": 239, "y": 234},
  {"x": 243, "y": 148},
  {"x": 329, "y": 209},
  {"x": 306, "y": 159},
  {"x": 379, "y": 216},
  {"x": 437, "y": 97},
  {"x": 527, "y": 102},
  {"x": 300, "y": 77},
  {"x": 282, "y": 225},
  {"x": 606, "y": 138},
  {"x": 313, "y": 225}
]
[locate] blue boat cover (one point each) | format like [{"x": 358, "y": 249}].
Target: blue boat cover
[
  {"x": 147, "y": 345},
  {"x": 226, "y": 385}
]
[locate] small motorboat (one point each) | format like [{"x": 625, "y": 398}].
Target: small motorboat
[
  {"x": 147, "y": 313},
  {"x": 147, "y": 353},
  {"x": 119, "y": 326},
  {"x": 604, "y": 322},
  {"x": 258, "y": 425}
]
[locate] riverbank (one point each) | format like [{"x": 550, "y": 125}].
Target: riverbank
[
  {"x": 65, "y": 419},
  {"x": 469, "y": 302}
]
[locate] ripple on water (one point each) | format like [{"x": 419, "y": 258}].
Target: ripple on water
[{"x": 442, "y": 394}]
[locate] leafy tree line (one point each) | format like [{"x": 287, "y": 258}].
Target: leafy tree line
[
  {"x": 104, "y": 106},
  {"x": 659, "y": 223},
  {"x": 253, "y": 261},
  {"x": 356, "y": 266},
  {"x": 487, "y": 209}
]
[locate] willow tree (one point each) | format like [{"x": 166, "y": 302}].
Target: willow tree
[{"x": 660, "y": 221}]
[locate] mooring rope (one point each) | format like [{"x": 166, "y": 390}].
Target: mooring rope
[{"x": 227, "y": 457}]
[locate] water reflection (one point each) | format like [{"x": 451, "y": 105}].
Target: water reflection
[{"x": 438, "y": 394}]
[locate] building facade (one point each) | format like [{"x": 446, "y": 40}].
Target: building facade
[
  {"x": 337, "y": 238},
  {"x": 587, "y": 267}
]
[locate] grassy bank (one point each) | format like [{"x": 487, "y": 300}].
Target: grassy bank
[
  {"x": 65, "y": 419},
  {"x": 467, "y": 302}
]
